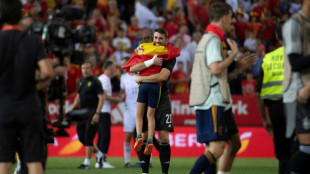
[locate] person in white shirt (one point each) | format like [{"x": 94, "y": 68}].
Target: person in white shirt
[
  {"x": 129, "y": 89},
  {"x": 104, "y": 129}
]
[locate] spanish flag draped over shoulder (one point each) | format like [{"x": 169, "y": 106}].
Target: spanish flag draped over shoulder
[{"x": 146, "y": 51}]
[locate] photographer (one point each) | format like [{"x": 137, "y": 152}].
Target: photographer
[
  {"x": 90, "y": 96},
  {"x": 20, "y": 106}
]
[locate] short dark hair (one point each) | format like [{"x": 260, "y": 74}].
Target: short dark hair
[
  {"x": 217, "y": 10},
  {"x": 279, "y": 30},
  {"x": 107, "y": 64},
  {"x": 162, "y": 31},
  {"x": 11, "y": 11},
  {"x": 89, "y": 62}
]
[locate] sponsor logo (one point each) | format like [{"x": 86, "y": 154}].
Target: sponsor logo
[
  {"x": 240, "y": 108},
  {"x": 245, "y": 140}
]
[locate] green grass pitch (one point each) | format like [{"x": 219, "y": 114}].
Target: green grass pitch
[{"x": 178, "y": 166}]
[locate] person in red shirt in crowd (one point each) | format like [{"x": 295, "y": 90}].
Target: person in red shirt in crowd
[
  {"x": 27, "y": 7},
  {"x": 73, "y": 76},
  {"x": 240, "y": 26},
  {"x": 100, "y": 22},
  {"x": 254, "y": 23},
  {"x": 179, "y": 80},
  {"x": 201, "y": 13},
  {"x": 170, "y": 25},
  {"x": 273, "y": 6},
  {"x": 179, "y": 17},
  {"x": 260, "y": 8},
  {"x": 198, "y": 12},
  {"x": 267, "y": 30},
  {"x": 248, "y": 84},
  {"x": 93, "y": 57},
  {"x": 133, "y": 29},
  {"x": 104, "y": 48}
]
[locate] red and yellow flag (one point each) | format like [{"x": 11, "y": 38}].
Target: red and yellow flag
[{"x": 146, "y": 51}]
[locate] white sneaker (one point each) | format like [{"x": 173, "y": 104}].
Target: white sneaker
[
  {"x": 98, "y": 163},
  {"x": 107, "y": 165}
]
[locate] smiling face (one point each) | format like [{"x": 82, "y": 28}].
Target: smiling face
[{"x": 159, "y": 39}]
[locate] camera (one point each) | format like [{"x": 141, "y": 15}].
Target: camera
[{"x": 60, "y": 39}]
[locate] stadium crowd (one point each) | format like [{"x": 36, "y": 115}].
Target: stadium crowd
[{"x": 120, "y": 25}]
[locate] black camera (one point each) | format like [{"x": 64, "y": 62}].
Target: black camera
[{"x": 60, "y": 39}]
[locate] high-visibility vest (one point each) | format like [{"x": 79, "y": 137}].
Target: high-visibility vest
[{"x": 273, "y": 75}]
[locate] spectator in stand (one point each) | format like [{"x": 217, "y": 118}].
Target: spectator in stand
[
  {"x": 146, "y": 18},
  {"x": 184, "y": 56},
  {"x": 119, "y": 53},
  {"x": 72, "y": 77},
  {"x": 170, "y": 25},
  {"x": 183, "y": 33},
  {"x": 91, "y": 52},
  {"x": 267, "y": 30},
  {"x": 31, "y": 5},
  {"x": 240, "y": 26},
  {"x": 179, "y": 80},
  {"x": 121, "y": 38},
  {"x": 104, "y": 48},
  {"x": 247, "y": 5},
  {"x": 191, "y": 47},
  {"x": 133, "y": 29},
  {"x": 250, "y": 43},
  {"x": 248, "y": 84},
  {"x": 179, "y": 17},
  {"x": 99, "y": 20},
  {"x": 273, "y": 7},
  {"x": 97, "y": 70},
  {"x": 246, "y": 16},
  {"x": 254, "y": 23},
  {"x": 198, "y": 13},
  {"x": 260, "y": 8}
]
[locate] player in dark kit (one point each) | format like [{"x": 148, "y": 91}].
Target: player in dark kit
[
  {"x": 163, "y": 118},
  {"x": 20, "y": 107}
]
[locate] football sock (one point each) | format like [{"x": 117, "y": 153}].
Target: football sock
[
  {"x": 202, "y": 163},
  {"x": 144, "y": 159},
  {"x": 127, "y": 150},
  {"x": 99, "y": 154},
  {"x": 86, "y": 161},
  {"x": 164, "y": 156}
]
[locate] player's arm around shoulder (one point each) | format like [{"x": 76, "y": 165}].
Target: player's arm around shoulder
[{"x": 155, "y": 78}]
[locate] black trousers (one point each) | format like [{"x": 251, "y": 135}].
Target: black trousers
[
  {"x": 104, "y": 132},
  {"x": 282, "y": 145}
]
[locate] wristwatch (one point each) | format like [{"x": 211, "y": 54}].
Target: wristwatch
[{"x": 97, "y": 113}]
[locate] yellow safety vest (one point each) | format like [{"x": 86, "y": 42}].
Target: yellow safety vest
[{"x": 273, "y": 75}]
